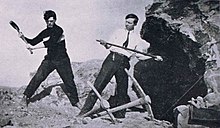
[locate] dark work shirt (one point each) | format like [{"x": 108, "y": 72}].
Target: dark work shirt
[{"x": 55, "y": 42}]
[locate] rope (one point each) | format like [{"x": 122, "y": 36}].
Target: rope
[{"x": 182, "y": 96}]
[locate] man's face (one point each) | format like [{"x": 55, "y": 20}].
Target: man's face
[
  {"x": 129, "y": 24},
  {"x": 50, "y": 22}
]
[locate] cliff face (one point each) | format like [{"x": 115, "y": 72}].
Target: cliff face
[
  {"x": 176, "y": 30},
  {"x": 198, "y": 19},
  {"x": 193, "y": 22}
]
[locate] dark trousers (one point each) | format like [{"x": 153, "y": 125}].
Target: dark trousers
[
  {"x": 113, "y": 65},
  {"x": 64, "y": 69}
]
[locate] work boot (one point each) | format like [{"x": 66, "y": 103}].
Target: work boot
[
  {"x": 89, "y": 104},
  {"x": 120, "y": 114},
  {"x": 82, "y": 112},
  {"x": 115, "y": 102}
]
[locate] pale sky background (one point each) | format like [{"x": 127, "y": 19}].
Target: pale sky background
[{"x": 83, "y": 22}]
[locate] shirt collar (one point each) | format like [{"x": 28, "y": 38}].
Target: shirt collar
[{"x": 130, "y": 31}]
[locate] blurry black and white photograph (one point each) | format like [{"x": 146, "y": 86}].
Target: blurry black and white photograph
[{"x": 110, "y": 64}]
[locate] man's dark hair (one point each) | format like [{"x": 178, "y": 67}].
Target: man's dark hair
[
  {"x": 48, "y": 14},
  {"x": 133, "y": 16}
]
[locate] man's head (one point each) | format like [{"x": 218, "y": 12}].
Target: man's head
[
  {"x": 131, "y": 20},
  {"x": 50, "y": 18}
]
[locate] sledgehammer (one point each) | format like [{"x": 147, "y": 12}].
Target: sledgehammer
[
  {"x": 104, "y": 104},
  {"x": 15, "y": 26},
  {"x": 144, "y": 100},
  {"x": 142, "y": 94}
]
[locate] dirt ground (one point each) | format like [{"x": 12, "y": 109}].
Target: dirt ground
[{"x": 51, "y": 112}]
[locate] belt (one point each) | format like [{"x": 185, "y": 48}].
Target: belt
[{"x": 116, "y": 53}]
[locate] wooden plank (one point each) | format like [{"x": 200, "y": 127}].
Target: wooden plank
[{"x": 204, "y": 116}]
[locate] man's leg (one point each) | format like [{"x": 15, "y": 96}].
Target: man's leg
[
  {"x": 121, "y": 92},
  {"x": 43, "y": 71},
  {"x": 65, "y": 71},
  {"x": 109, "y": 67}
]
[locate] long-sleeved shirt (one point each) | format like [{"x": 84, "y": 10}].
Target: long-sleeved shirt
[
  {"x": 120, "y": 36},
  {"x": 55, "y": 42}
]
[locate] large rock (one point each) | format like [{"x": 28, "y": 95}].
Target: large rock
[{"x": 175, "y": 30}]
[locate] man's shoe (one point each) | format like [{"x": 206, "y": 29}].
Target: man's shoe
[{"x": 81, "y": 113}]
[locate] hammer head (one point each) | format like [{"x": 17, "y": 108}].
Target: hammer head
[
  {"x": 104, "y": 104},
  {"x": 147, "y": 99}
]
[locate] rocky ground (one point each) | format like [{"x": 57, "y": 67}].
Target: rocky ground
[{"x": 55, "y": 112}]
